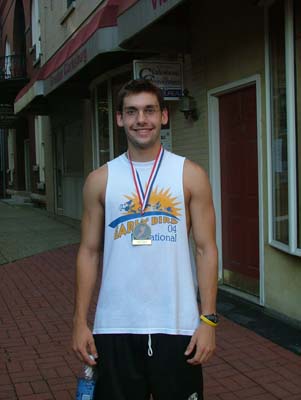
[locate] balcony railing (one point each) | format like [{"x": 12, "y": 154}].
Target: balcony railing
[{"x": 12, "y": 67}]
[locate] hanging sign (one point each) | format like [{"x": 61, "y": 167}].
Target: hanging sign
[
  {"x": 167, "y": 75},
  {"x": 8, "y": 118},
  {"x": 134, "y": 16}
]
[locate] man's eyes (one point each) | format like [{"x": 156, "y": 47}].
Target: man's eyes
[
  {"x": 147, "y": 111},
  {"x": 131, "y": 111}
]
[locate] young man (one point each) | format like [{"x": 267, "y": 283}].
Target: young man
[{"x": 138, "y": 212}]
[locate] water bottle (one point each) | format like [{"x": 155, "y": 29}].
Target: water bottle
[{"x": 86, "y": 383}]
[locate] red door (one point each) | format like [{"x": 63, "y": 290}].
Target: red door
[{"x": 239, "y": 189}]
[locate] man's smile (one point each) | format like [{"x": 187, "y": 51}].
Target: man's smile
[{"x": 143, "y": 130}]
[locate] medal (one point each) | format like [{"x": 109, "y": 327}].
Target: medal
[
  {"x": 141, "y": 235},
  {"x": 142, "y": 232}
]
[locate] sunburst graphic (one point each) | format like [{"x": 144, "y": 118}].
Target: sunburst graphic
[{"x": 159, "y": 201}]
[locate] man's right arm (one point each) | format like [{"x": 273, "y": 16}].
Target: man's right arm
[{"x": 88, "y": 260}]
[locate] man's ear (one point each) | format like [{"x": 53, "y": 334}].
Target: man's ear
[
  {"x": 119, "y": 119},
  {"x": 164, "y": 116}
]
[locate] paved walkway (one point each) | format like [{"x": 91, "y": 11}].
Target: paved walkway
[
  {"x": 25, "y": 231},
  {"x": 36, "y": 305},
  {"x": 36, "y": 363}
]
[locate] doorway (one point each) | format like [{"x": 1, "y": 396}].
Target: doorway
[
  {"x": 69, "y": 169},
  {"x": 239, "y": 189},
  {"x": 233, "y": 113}
]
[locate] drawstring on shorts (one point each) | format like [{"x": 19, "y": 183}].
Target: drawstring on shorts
[{"x": 150, "y": 350}]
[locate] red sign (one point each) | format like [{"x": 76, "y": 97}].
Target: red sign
[
  {"x": 158, "y": 3},
  {"x": 78, "y": 60}
]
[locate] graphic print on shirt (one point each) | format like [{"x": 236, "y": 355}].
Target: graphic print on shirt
[{"x": 162, "y": 210}]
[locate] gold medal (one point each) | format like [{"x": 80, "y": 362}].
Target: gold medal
[{"x": 141, "y": 235}]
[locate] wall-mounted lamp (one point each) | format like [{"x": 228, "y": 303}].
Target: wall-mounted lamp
[{"x": 187, "y": 106}]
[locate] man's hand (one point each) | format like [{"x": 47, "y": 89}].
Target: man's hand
[
  {"x": 203, "y": 341},
  {"x": 83, "y": 344}
]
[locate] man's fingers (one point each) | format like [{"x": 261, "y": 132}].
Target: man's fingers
[
  {"x": 207, "y": 355},
  {"x": 85, "y": 351},
  {"x": 92, "y": 350},
  {"x": 204, "y": 356},
  {"x": 201, "y": 356},
  {"x": 86, "y": 358},
  {"x": 78, "y": 354},
  {"x": 84, "y": 346},
  {"x": 197, "y": 357},
  {"x": 191, "y": 346}
]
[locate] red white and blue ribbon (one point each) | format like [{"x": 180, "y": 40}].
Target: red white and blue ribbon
[{"x": 144, "y": 196}]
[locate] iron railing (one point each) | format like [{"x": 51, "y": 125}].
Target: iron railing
[{"x": 12, "y": 67}]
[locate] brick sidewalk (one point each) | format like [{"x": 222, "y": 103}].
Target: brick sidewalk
[{"x": 36, "y": 363}]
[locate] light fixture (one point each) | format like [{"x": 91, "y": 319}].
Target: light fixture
[{"x": 187, "y": 106}]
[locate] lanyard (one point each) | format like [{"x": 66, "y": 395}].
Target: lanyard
[{"x": 144, "y": 197}]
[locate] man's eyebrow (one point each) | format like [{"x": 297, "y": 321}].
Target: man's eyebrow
[{"x": 146, "y": 106}]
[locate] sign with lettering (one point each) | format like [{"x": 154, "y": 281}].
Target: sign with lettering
[
  {"x": 158, "y": 3},
  {"x": 141, "y": 14},
  {"x": 167, "y": 75},
  {"x": 7, "y": 117},
  {"x": 70, "y": 66},
  {"x": 102, "y": 41}
]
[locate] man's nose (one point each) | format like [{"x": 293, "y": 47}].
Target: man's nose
[{"x": 141, "y": 116}]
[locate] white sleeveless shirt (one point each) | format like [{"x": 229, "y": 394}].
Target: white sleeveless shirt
[{"x": 151, "y": 288}]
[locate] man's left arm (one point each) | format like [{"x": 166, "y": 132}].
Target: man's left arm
[{"x": 202, "y": 217}]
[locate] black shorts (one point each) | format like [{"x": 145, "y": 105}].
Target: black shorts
[{"x": 132, "y": 368}]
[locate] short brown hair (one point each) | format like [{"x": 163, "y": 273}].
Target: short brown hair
[{"x": 137, "y": 86}]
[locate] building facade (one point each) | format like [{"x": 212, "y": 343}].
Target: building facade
[
  {"x": 240, "y": 66},
  {"x": 22, "y": 148}
]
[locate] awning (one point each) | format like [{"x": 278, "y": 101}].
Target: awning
[
  {"x": 134, "y": 16},
  {"x": 98, "y": 36},
  {"x": 33, "y": 90}
]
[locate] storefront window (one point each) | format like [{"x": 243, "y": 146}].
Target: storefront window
[
  {"x": 279, "y": 123},
  {"x": 298, "y": 111},
  {"x": 103, "y": 123}
]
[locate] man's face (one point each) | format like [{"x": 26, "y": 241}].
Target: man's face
[{"x": 141, "y": 119}]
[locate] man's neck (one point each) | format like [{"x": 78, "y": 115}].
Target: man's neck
[{"x": 143, "y": 155}]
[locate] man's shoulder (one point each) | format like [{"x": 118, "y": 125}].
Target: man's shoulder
[
  {"x": 192, "y": 166},
  {"x": 99, "y": 176},
  {"x": 98, "y": 173},
  {"x": 173, "y": 156},
  {"x": 117, "y": 160},
  {"x": 195, "y": 175},
  {"x": 97, "y": 179}
]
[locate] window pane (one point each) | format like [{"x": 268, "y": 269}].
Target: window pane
[
  {"x": 279, "y": 125},
  {"x": 103, "y": 123},
  {"x": 298, "y": 110}
]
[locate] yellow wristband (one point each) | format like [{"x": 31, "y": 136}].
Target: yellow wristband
[{"x": 207, "y": 321}]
